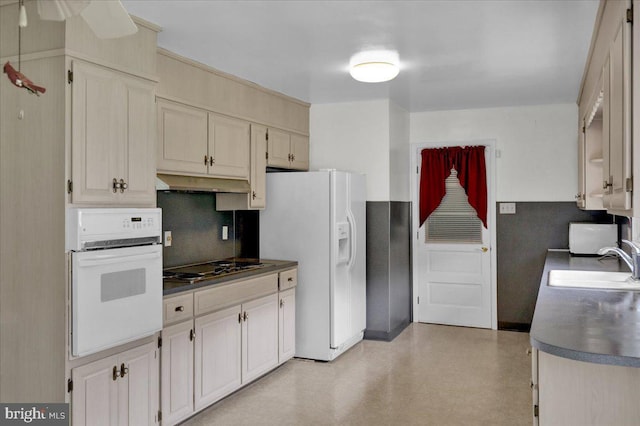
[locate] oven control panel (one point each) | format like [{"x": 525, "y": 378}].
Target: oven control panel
[{"x": 86, "y": 226}]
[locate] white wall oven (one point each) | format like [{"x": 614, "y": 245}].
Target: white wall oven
[{"x": 116, "y": 276}]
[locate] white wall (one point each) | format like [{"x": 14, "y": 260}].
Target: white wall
[
  {"x": 399, "y": 155},
  {"x": 537, "y": 146},
  {"x": 353, "y": 136}
]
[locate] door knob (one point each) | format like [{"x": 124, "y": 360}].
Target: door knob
[{"x": 484, "y": 249}]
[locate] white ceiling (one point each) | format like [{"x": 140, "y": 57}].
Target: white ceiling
[{"x": 454, "y": 54}]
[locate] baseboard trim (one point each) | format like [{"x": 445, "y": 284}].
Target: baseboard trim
[
  {"x": 386, "y": 336},
  {"x": 514, "y": 326}
]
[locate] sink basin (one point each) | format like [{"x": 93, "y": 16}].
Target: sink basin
[{"x": 593, "y": 279}]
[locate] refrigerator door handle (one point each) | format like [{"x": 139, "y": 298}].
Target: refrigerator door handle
[{"x": 352, "y": 239}]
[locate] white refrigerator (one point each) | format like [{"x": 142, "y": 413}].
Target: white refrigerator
[{"x": 318, "y": 218}]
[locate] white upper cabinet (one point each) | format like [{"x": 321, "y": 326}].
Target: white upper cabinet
[
  {"x": 287, "y": 150},
  {"x": 182, "y": 138},
  {"x": 605, "y": 108},
  {"x": 617, "y": 121},
  {"x": 229, "y": 142},
  {"x": 112, "y": 137},
  {"x": 195, "y": 142}
]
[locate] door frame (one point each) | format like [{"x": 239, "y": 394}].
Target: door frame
[{"x": 490, "y": 145}]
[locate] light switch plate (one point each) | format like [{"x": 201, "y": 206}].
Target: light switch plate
[
  {"x": 167, "y": 238},
  {"x": 225, "y": 233},
  {"x": 507, "y": 208}
]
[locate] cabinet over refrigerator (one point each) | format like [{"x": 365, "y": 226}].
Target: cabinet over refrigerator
[{"x": 318, "y": 218}]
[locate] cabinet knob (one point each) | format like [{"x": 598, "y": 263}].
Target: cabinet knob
[
  {"x": 123, "y": 185},
  {"x": 123, "y": 370},
  {"x": 179, "y": 309},
  {"x": 116, "y": 372},
  {"x": 290, "y": 279},
  {"x": 116, "y": 185}
]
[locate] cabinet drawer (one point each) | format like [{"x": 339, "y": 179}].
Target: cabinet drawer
[
  {"x": 234, "y": 293},
  {"x": 288, "y": 279},
  {"x": 178, "y": 308}
]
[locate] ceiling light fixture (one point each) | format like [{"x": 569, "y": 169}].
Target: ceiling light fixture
[{"x": 374, "y": 66}]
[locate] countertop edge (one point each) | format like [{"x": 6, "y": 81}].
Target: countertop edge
[
  {"x": 546, "y": 321},
  {"x": 275, "y": 266}
]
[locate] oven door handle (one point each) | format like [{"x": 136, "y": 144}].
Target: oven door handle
[{"x": 106, "y": 259}]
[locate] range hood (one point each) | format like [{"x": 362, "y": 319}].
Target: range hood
[{"x": 202, "y": 184}]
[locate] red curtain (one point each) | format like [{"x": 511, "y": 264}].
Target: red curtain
[{"x": 472, "y": 174}]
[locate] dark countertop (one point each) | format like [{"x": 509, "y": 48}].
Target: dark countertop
[
  {"x": 600, "y": 326},
  {"x": 170, "y": 288}
]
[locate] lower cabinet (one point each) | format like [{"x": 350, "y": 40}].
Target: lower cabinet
[
  {"x": 217, "y": 355},
  {"x": 177, "y": 372},
  {"x": 569, "y": 392},
  {"x": 287, "y": 325},
  {"x": 117, "y": 390},
  {"x": 205, "y": 359}
]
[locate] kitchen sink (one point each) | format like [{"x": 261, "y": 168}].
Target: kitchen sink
[{"x": 593, "y": 279}]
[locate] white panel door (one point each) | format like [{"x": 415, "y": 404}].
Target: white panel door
[
  {"x": 259, "y": 337},
  {"x": 454, "y": 279},
  {"x": 287, "y": 325},
  {"x": 94, "y": 400},
  {"x": 138, "y": 386},
  {"x": 177, "y": 372},
  {"x": 217, "y": 355}
]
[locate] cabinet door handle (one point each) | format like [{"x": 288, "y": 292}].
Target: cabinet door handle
[
  {"x": 123, "y": 370},
  {"x": 293, "y": 157},
  {"x": 253, "y": 195},
  {"x": 116, "y": 372},
  {"x": 123, "y": 185},
  {"x": 281, "y": 303},
  {"x": 246, "y": 316},
  {"x": 192, "y": 334},
  {"x": 239, "y": 317},
  {"x": 116, "y": 185},
  {"x": 211, "y": 161},
  {"x": 179, "y": 309},
  {"x": 290, "y": 279},
  {"x": 206, "y": 159}
]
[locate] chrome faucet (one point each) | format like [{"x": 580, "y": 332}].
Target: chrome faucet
[{"x": 633, "y": 261}]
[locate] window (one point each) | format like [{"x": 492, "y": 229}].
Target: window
[{"x": 454, "y": 221}]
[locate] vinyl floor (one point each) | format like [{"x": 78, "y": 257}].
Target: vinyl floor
[{"x": 429, "y": 375}]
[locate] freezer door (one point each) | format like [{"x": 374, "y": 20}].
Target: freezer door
[{"x": 348, "y": 299}]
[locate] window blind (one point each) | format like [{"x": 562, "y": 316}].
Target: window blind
[{"x": 454, "y": 221}]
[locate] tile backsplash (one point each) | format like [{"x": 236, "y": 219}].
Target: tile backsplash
[{"x": 196, "y": 229}]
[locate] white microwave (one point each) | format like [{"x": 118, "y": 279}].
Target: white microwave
[{"x": 587, "y": 238}]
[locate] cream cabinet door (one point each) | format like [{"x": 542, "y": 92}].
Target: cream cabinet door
[
  {"x": 138, "y": 386},
  {"x": 617, "y": 171},
  {"x": 287, "y": 325},
  {"x": 299, "y": 152},
  {"x": 278, "y": 148},
  {"x": 120, "y": 390},
  {"x": 137, "y": 162},
  {"x": 98, "y": 121},
  {"x": 182, "y": 138},
  {"x": 217, "y": 355},
  {"x": 259, "y": 337},
  {"x": 94, "y": 400},
  {"x": 257, "y": 198},
  {"x": 112, "y": 137},
  {"x": 177, "y": 372},
  {"x": 229, "y": 150}
]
